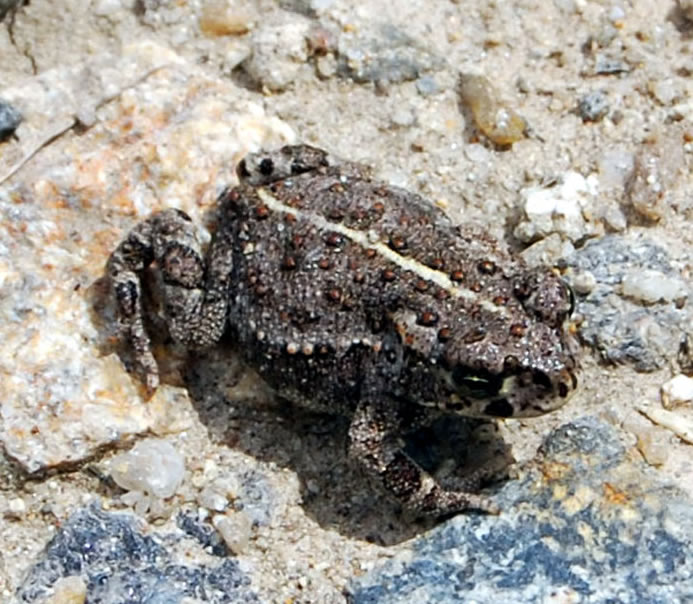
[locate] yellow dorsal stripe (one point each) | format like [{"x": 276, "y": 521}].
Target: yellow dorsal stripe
[{"x": 370, "y": 240}]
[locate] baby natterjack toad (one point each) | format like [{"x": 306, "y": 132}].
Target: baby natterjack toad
[{"x": 356, "y": 297}]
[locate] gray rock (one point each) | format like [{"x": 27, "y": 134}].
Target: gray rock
[
  {"x": 10, "y": 119},
  {"x": 585, "y": 524},
  {"x": 384, "y": 54},
  {"x": 622, "y": 328},
  {"x": 119, "y": 563},
  {"x": 593, "y": 106}
]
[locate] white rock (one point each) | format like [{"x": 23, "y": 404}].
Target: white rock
[
  {"x": 17, "y": 506},
  {"x": 565, "y": 208},
  {"x": 235, "y": 530},
  {"x": 212, "y": 499},
  {"x": 650, "y": 286},
  {"x": 677, "y": 391},
  {"x": 152, "y": 466}
]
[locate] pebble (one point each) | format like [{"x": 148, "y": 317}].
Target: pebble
[
  {"x": 564, "y": 208},
  {"x": 278, "y": 50},
  {"x": 235, "y": 530},
  {"x": 152, "y": 466},
  {"x": 384, "y": 54},
  {"x": 593, "y": 106},
  {"x": 677, "y": 391},
  {"x": 605, "y": 64},
  {"x": 403, "y": 117},
  {"x": 10, "y": 118},
  {"x": 427, "y": 86},
  {"x": 496, "y": 120},
  {"x": 615, "y": 167},
  {"x": 68, "y": 590},
  {"x": 584, "y": 283},
  {"x": 649, "y": 441},
  {"x": 657, "y": 166},
  {"x": 222, "y": 18},
  {"x": 650, "y": 286},
  {"x": 666, "y": 91},
  {"x": 212, "y": 499},
  {"x": 17, "y": 506}
]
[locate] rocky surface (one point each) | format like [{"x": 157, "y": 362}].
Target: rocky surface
[
  {"x": 115, "y": 561},
  {"x": 587, "y": 525},
  {"x": 131, "y": 106}
]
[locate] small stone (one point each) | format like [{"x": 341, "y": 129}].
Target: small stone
[
  {"x": 677, "y": 391},
  {"x": 649, "y": 441},
  {"x": 584, "y": 283},
  {"x": 658, "y": 165},
  {"x": 152, "y": 466},
  {"x": 604, "y": 64},
  {"x": 666, "y": 91},
  {"x": 326, "y": 66},
  {"x": 615, "y": 167},
  {"x": 593, "y": 106},
  {"x": 278, "y": 50},
  {"x": 17, "y": 506},
  {"x": 224, "y": 18},
  {"x": 565, "y": 208},
  {"x": 651, "y": 286},
  {"x": 427, "y": 86},
  {"x": 68, "y": 590},
  {"x": 10, "y": 119},
  {"x": 614, "y": 218},
  {"x": 235, "y": 530},
  {"x": 212, "y": 499},
  {"x": 403, "y": 117},
  {"x": 548, "y": 251},
  {"x": 495, "y": 119}
]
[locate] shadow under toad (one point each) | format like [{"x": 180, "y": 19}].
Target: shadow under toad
[{"x": 241, "y": 413}]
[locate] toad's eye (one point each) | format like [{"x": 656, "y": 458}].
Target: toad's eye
[{"x": 476, "y": 383}]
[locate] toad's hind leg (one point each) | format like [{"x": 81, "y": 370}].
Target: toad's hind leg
[
  {"x": 374, "y": 444},
  {"x": 195, "y": 291}
]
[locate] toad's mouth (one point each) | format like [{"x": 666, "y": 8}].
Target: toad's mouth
[{"x": 524, "y": 393}]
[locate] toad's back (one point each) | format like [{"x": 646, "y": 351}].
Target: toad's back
[{"x": 331, "y": 266}]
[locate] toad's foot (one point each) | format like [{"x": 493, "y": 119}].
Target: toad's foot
[{"x": 194, "y": 297}]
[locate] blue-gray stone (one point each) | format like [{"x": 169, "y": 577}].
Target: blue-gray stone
[
  {"x": 10, "y": 119},
  {"x": 121, "y": 565},
  {"x": 586, "y": 523},
  {"x": 614, "y": 325}
]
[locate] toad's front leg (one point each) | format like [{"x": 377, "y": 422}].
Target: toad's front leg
[
  {"x": 373, "y": 443},
  {"x": 195, "y": 290}
]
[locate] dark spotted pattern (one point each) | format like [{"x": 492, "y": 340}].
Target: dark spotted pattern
[{"x": 358, "y": 298}]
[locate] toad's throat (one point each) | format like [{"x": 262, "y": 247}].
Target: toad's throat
[{"x": 371, "y": 240}]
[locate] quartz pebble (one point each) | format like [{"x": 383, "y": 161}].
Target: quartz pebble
[
  {"x": 565, "y": 208},
  {"x": 677, "y": 391},
  {"x": 651, "y": 286},
  {"x": 235, "y": 530},
  {"x": 152, "y": 466}
]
